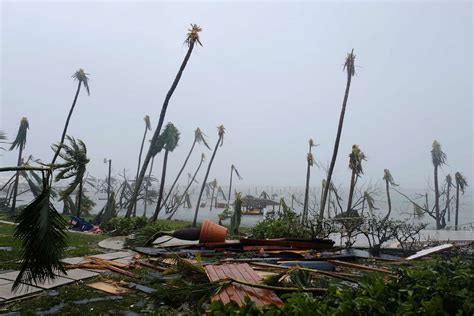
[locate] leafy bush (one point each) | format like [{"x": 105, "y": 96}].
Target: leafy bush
[
  {"x": 286, "y": 224},
  {"x": 442, "y": 287},
  {"x": 121, "y": 226}
]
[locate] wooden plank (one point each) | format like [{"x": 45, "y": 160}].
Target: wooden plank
[
  {"x": 108, "y": 287},
  {"x": 426, "y": 252},
  {"x": 357, "y": 266}
]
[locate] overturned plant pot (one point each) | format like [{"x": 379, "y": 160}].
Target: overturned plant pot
[{"x": 208, "y": 232}]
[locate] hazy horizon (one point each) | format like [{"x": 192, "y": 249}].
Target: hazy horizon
[{"x": 270, "y": 72}]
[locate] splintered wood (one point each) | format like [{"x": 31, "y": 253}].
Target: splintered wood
[{"x": 238, "y": 292}]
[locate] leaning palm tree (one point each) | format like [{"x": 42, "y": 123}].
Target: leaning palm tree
[
  {"x": 355, "y": 164},
  {"x": 213, "y": 185},
  {"x": 310, "y": 163},
  {"x": 461, "y": 184},
  {"x": 438, "y": 157},
  {"x": 19, "y": 142},
  {"x": 199, "y": 138},
  {"x": 220, "y": 141},
  {"x": 449, "y": 184},
  {"x": 387, "y": 177},
  {"x": 349, "y": 67},
  {"x": 74, "y": 164},
  {"x": 170, "y": 139},
  {"x": 191, "y": 39},
  {"x": 232, "y": 170},
  {"x": 147, "y": 128}
]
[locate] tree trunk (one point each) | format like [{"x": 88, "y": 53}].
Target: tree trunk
[
  {"x": 351, "y": 192},
  {"x": 438, "y": 220},
  {"x": 448, "y": 202},
  {"x": 17, "y": 179},
  {"x": 146, "y": 187},
  {"x": 79, "y": 200},
  {"x": 306, "y": 194},
  {"x": 148, "y": 157},
  {"x": 212, "y": 196},
  {"x": 139, "y": 162},
  {"x": 457, "y": 208},
  {"x": 387, "y": 188},
  {"x": 187, "y": 188},
  {"x": 162, "y": 187},
  {"x": 230, "y": 187},
  {"x": 204, "y": 182},
  {"x": 336, "y": 145},
  {"x": 329, "y": 204},
  {"x": 108, "y": 183},
  {"x": 179, "y": 173}
]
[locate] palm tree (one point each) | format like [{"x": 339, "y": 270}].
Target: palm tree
[
  {"x": 232, "y": 170},
  {"x": 109, "y": 161},
  {"x": 148, "y": 184},
  {"x": 147, "y": 128},
  {"x": 310, "y": 161},
  {"x": 170, "y": 139},
  {"x": 19, "y": 142},
  {"x": 220, "y": 141},
  {"x": 438, "y": 158},
  {"x": 449, "y": 184},
  {"x": 73, "y": 166},
  {"x": 213, "y": 185},
  {"x": 349, "y": 67},
  {"x": 191, "y": 39},
  {"x": 387, "y": 176},
  {"x": 198, "y": 138},
  {"x": 83, "y": 80},
  {"x": 461, "y": 184},
  {"x": 355, "y": 164},
  {"x": 192, "y": 179}
]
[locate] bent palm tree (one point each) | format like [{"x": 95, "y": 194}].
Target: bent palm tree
[
  {"x": 220, "y": 141},
  {"x": 438, "y": 157},
  {"x": 170, "y": 139},
  {"x": 73, "y": 166},
  {"x": 310, "y": 160},
  {"x": 198, "y": 138},
  {"x": 355, "y": 164},
  {"x": 461, "y": 184},
  {"x": 19, "y": 142},
  {"x": 232, "y": 170},
  {"x": 147, "y": 128},
  {"x": 387, "y": 176},
  {"x": 191, "y": 39},
  {"x": 349, "y": 67}
]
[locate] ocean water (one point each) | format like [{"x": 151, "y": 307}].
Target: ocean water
[{"x": 401, "y": 207}]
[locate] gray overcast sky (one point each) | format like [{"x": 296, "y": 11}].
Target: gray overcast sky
[{"x": 270, "y": 72}]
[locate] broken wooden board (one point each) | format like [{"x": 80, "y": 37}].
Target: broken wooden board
[
  {"x": 238, "y": 292},
  {"x": 109, "y": 288},
  {"x": 429, "y": 251}
]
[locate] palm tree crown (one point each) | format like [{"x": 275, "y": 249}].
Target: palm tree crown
[
  {"x": 20, "y": 139},
  {"x": 83, "y": 78},
  {"x": 387, "y": 176},
  {"x": 437, "y": 155},
  {"x": 199, "y": 136},
  {"x": 460, "y": 181},
  {"x": 193, "y": 35},
  {"x": 170, "y": 137},
  {"x": 355, "y": 159}
]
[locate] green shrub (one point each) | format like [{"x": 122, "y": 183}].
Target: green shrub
[
  {"x": 121, "y": 226},
  {"x": 286, "y": 224}
]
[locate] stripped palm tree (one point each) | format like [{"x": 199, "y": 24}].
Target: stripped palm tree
[
  {"x": 73, "y": 166},
  {"x": 213, "y": 185},
  {"x": 199, "y": 138},
  {"x": 349, "y": 67},
  {"x": 232, "y": 170},
  {"x": 191, "y": 39},
  {"x": 355, "y": 164},
  {"x": 438, "y": 157},
  {"x": 147, "y": 186},
  {"x": 192, "y": 180},
  {"x": 310, "y": 163},
  {"x": 461, "y": 184},
  {"x": 170, "y": 139},
  {"x": 147, "y": 128},
  {"x": 387, "y": 177},
  {"x": 449, "y": 185},
  {"x": 219, "y": 143},
  {"x": 19, "y": 142}
]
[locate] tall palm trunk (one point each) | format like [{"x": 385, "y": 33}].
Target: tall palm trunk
[
  {"x": 212, "y": 196},
  {"x": 179, "y": 173},
  {"x": 351, "y": 191},
  {"x": 189, "y": 185},
  {"x": 139, "y": 162},
  {"x": 205, "y": 180},
  {"x": 457, "y": 208},
  {"x": 389, "y": 201},
  {"x": 108, "y": 182},
  {"x": 148, "y": 157},
  {"x": 79, "y": 199},
  {"x": 306, "y": 194},
  {"x": 448, "y": 201},
  {"x": 162, "y": 186},
  {"x": 350, "y": 73},
  {"x": 436, "y": 188},
  {"x": 17, "y": 179},
  {"x": 146, "y": 188},
  {"x": 230, "y": 186}
]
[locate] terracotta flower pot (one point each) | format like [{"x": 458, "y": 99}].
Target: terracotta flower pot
[{"x": 211, "y": 232}]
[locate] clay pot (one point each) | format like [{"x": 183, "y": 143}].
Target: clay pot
[{"x": 211, "y": 232}]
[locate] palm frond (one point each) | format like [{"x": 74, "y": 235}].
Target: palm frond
[
  {"x": 147, "y": 122},
  {"x": 349, "y": 64},
  {"x": 437, "y": 155},
  {"x": 237, "y": 173},
  {"x": 20, "y": 139},
  {"x": 199, "y": 136},
  {"x": 82, "y": 77},
  {"x": 221, "y": 132},
  {"x": 193, "y": 35},
  {"x": 387, "y": 176},
  {"x": 41, "y": 230},
  {"x": 460, "y": 181}
]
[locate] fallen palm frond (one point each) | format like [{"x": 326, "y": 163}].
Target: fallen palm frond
[
  {"x": 146, "y": 236},
  {"x": 276, "y": 288},
  {"x": 179, "y": 291},
  {"x": 41, "y": 230}
]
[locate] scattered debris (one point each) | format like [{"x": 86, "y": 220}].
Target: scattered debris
[
  {"x": 109, "y": 287},
  {"x": 429, "y": 251}
]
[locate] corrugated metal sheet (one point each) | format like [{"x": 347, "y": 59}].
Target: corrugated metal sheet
[{"x": 238, "y": 292}]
